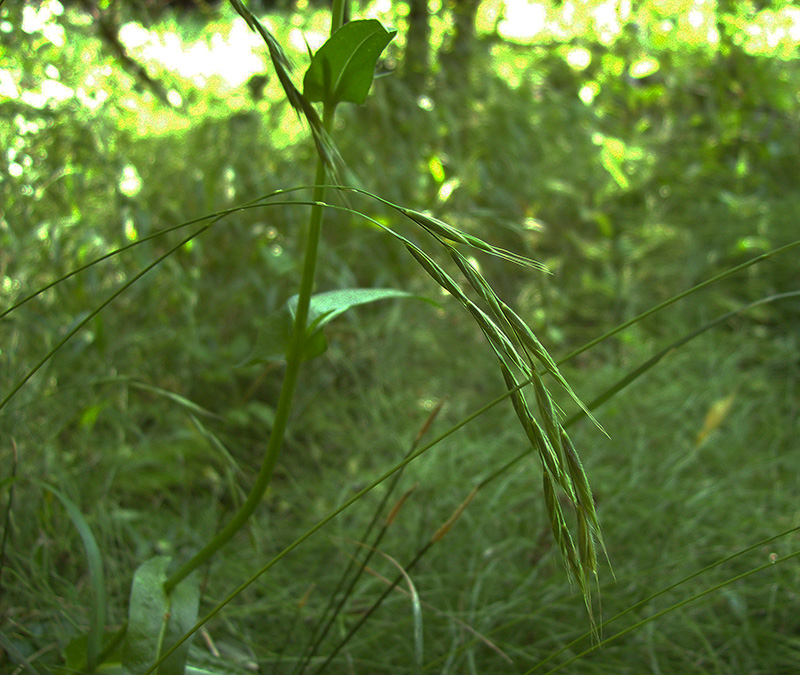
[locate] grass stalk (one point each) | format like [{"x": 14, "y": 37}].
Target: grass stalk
[
  {"x": 407, "y": 460},
  {"x": 677, "y": 605},
  {"x": 334, "y": 608},
  {"x": 294, "y": 358},
  {"x": 294, "y": 361},
  {"x": 667, "y": 589},
  {"x": 605, "y": 396}
]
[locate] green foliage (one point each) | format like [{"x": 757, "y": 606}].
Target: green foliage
[
  {"x": 157, "y": 620},
  {"x": 343, "y": 68},
  {"x": 632, "y": 167},
  {"x": 275, "y": 338},
  {"x": 94, "y": 562}
]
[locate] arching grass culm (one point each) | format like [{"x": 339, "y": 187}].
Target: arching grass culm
[{"x": 168, "y": 603}]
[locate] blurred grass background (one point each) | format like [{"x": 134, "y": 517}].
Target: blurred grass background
[{"x": 634, "y": 163}]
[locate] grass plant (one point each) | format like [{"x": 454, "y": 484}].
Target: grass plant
[{"x": 451, "y": 546}]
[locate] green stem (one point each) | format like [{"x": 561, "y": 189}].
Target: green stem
[
  {"x": 294, "y": 360},
  {"x": 337, "y": 14}
]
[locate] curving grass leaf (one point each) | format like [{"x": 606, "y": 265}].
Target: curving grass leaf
[{"x": 97, "y": 608}]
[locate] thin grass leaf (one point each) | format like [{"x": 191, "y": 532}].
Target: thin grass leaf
[
  {"x": 478, "y": 636},
  {"x": 99, "y": 308},
  {"x": 671, "y": 608},
  {"x": 16, "y": 656},
  {"x": 644, "y": 602},
  {"x": 213, "y": 440},
  {"x": 215, "y": 217},
  {"x": 182, "y": 401},
  {"x": 11, "y": 482},
  {"x": 333, "y": 609},
  {"x": 214, "y": 611},
  {"x": 680, "y": 296},
  {"x": 94, "y": 562},
  {"x": 416, "y": 606},
  {"x": 635, "y": 374}
]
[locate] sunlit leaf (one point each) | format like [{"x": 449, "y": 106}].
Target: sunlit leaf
[
  {"x": 274, "y": 340},
  {"x": 343, "y": 68}
]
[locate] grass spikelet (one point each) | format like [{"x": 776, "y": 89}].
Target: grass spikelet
[
  {"x": 561, "y": 533},
  {"x": 534, "y": 432},
  {"x": 442, "y": 230},
  {"x": 586, "y": 548},
  {"x": 547, "y": 410},
  {"x": 550, "y": 456},
  {"x": 558, "y": 465},
  {"x": 503, "y": 347},
  {"x": 578, "y": 475},
  {"x": 531, "y": 342},
  {"x": 578, "y": 562},
  {"x": 478, "y": 283},
  {"x": 585, "y": 500},
  {"x": 325, "y": 147},
  {"x": 444, "y": 529},
  {"x": 557, "y": 523},
  {"x": 399, "y": 505},
  {"x": 434, "y": 270}
]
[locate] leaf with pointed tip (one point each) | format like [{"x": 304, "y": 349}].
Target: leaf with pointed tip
[
  {"x": 343, "y": 68},
  {"x": 274, "y": 340}
]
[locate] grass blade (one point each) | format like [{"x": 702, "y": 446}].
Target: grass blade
[
  {"x": 94, "y": 561},
  {"x": 671, "y": 608}
]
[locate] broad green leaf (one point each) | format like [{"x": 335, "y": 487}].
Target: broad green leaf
[
  {"x": 327, "y": 306},
  {"x": 156, "y": 621},
  {"x": 274, "y": 339},
  {"x": 184, "y": 603},
  {"x": 343, "y": 68},
  {"x": 147, "y": 616}
]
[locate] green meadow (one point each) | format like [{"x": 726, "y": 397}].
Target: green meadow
[{"x": 464, "y": 340}]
